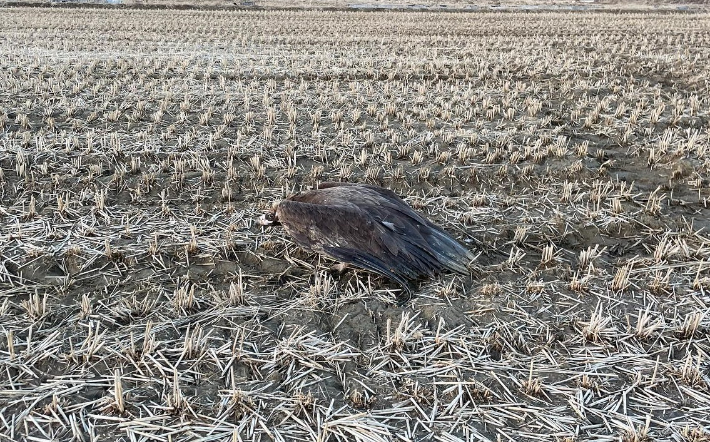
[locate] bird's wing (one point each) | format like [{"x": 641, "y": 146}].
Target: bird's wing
[
  {"x": 388, "y": 208},
  {"x": 350, "y": 234}
]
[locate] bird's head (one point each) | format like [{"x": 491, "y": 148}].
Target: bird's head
[{"x": 268, "y": 219}]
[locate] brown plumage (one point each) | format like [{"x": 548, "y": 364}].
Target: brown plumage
[{"x": 371, "y": 228}]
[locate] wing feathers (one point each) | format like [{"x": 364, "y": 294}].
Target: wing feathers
[
  {"x": 371, "y": 228},
  {"x": 367, "y": 262}
]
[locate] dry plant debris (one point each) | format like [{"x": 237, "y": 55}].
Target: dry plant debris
[{"x": 138, "y": 300}]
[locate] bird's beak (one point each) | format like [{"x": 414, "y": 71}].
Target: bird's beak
[{"x": 262, "y": 221}]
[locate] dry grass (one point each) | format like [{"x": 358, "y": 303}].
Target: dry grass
[{"x": 138, "y": 299}]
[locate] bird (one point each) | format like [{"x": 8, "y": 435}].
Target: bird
[{"x": 369, "y": 227}]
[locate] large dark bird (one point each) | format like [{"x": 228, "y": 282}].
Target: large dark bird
[{"x": 371, "y": 228}]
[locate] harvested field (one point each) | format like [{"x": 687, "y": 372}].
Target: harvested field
[
  {"x": 140, "y": 301},
  {"x": 431, "y": 5}
]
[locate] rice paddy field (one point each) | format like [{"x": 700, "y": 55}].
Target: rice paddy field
[{"x": 140, "y": 301}]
